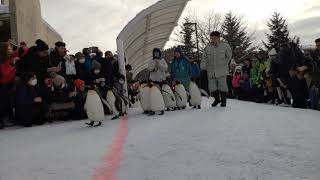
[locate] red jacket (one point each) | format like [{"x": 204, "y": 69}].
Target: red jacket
[
  {"x": 7, "y": 71},
  {"x": 236, "y": 80}
]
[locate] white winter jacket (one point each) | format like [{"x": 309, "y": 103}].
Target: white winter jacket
[{"x": 157, "y": 68}]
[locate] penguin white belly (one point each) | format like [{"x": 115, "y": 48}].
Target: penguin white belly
[
  {"x": 94, "y": 106},
  {"x": 181, "y": 96},
  {"x": 195, "y": 94},
  {"x": 111, "y": 99},
  {"x": 168, "y": 97},
  {"x": 144, "y": 98},
  {"x": 156, "y": 99}
]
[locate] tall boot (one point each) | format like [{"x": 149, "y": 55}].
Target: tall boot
[
  {"x": 217, "y": 100},
  {"x": 223, "y": 99},
  {"x": 1, "y": 123}
]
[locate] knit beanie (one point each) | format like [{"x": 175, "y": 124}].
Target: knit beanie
[
  {"x": 41, "y": 45},
  {"x": 79, "y": 83}
]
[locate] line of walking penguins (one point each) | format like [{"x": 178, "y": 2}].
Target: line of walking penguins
[{"x": 154, "y": 99}]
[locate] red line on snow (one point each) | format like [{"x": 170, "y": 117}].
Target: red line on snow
[{"x": 112, "y": 159}]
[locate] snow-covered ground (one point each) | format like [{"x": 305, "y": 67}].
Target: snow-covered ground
[{"x": 245, "y": 141}]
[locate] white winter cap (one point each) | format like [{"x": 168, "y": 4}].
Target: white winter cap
[{"x": 273, "y": 52}]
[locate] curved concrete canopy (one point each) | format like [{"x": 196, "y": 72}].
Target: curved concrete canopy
[{"x": 151, "y": 28}]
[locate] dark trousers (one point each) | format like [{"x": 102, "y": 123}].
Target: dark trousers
[
  {"x": 6, "y": 102},
  {"x": 29, "y": 114}
]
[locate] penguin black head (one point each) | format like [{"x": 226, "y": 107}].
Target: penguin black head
[
  {"x": 92, "y": 87},
  {"x": 150, "y": 84},
  {"x": 165, "y": 82},
  {"x": 109, "y": 87}
]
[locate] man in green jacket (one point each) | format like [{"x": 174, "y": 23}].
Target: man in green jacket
[{"x": 215, "y": 60}]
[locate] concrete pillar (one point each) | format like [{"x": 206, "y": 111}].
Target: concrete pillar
[{"x": 13, "y": 21}]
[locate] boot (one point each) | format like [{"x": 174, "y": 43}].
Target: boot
[
  {"x": 223, "y": 99},
  {"x": 217, "y": 100},
  {"x": 151, "y": 113},
  {"x": 1, "y": 124},
  {"x": 161, "y": 113}
]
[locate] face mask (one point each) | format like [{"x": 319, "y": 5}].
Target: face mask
[
  {"x": 33, "y": 82},
  {"x": 121, "y": 81},
  {"x": 96, "y": 71},
  {"x": 82, "y": 60}
]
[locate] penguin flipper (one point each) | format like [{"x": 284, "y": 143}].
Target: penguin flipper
[
  {"x": 177, "y": 94},
  {"x": 171, "y": 97},
  {"x": 204, "y": 93}
]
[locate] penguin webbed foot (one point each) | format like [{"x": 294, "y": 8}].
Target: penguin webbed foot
[
  {"x": 90, "y": 124},
  {"x": 114, "y": 118},
  {"x": 151, "y": 113},
  {"x": 99, "y": 124},
  {"x": 161, "y": 113}
]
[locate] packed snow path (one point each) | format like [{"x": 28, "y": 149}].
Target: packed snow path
[{"x": 245, "y": 141}]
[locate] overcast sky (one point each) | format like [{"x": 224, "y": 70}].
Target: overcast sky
[{"x": 84, "y": 23}]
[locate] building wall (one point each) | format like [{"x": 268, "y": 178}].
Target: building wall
[
  {"x": 6, "y": 2},
  {"x": 28, "y": 25}
]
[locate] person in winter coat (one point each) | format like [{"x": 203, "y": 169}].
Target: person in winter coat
[
  {"x": 236, "y": 80},
  {"x": 313, "y": 83},
  {"x": 278, "y": 72},
  {"x": 36, "y": 61},
  {"x": 195, "y": 72},
  {"x": 157, "y": 67},
  {"x": 180, "y": 68},
  {"x": 70, "y": 65},
  {"x": 298, "y": 87},
  {"x": 245, "y": 88},
  {"x": 7, "y": 78},
  {"x": 97, "y": 78},
  {"x": 215, "y": 59},
  {"x": 115, "y": 64},
  {"x": 30, "y": 107},
  {"x": 56, "y": 58},
  {"x": 79, "y": 98},
  {"x": 58, "y": 89},
  {"x": 247, "y": 66},
  {"x": 23, "y": 49},
  {"x": 82, "y": 72},
  {"x": 107, "y": 69},
  {"x": 316, "y": 53}
]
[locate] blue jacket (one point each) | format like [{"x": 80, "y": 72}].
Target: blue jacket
[
  {"x": 88, "y": 64},
  {"x": 195, "y": 70},
  {"x": 180, "y": 70}
]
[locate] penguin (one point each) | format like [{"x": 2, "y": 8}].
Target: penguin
[
  {"x": 143, "y": 96},
  {"x": 181, "y": 96},
  {"x": 94, "y": 108},
  {"x": 168, "y": 97},
  {"x": 195, "y": 95},
  {"x": 156, "y": 100},
  {"x": 111, "y": 99}
]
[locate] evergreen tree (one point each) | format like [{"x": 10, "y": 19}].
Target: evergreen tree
[
  {"x": 188, "y": 46},
  {"x": 234, "y": 32},
  {"x": 279, "y": 32}
]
